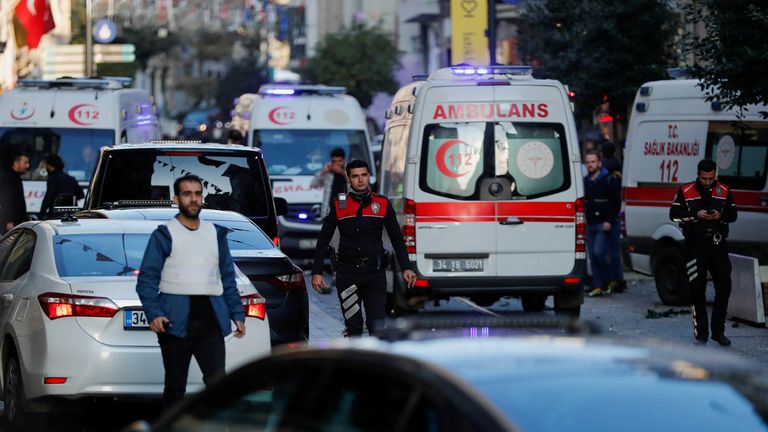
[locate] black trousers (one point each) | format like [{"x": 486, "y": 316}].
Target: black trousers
[
  {"x": 358, "y": 289},
  {"x": 205, "y": 342},
  {"x": 716, "y": 262}
]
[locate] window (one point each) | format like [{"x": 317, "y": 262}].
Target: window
[
  {"x": 6, "y": 245},
  {"x": 393, "y": 166},
  {"x": 245, "y": 236},
  {"x": 741, "y": 153},
  {"x": 20, "y": 257},
  {"x": 457, "y": 157},
  {"x": 99, "y": 254}
]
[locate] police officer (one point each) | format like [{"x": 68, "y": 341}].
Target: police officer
[
  {"x": 704, "y": 209},
  {"x": 360, "y": 278}
]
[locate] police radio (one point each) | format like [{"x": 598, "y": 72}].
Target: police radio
[{"x": 342, "y": 201}]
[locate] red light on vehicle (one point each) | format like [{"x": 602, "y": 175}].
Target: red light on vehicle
[
  {"x": 421, "y": 283},
  {"x": 572, "y": 280},
  {"x": 254, "y": 306},
  {"x": 409, "y": 227},
  {"x": 605, "y": 118},
  {"x": 276, "y": 241},
  {"x": 571, "y": 94},
  {"x": 285, "y": 281},
  {"x": 57, "y": 305},
  {"x": 54, "y": 380},
  {"x": 581, "y": 226}
]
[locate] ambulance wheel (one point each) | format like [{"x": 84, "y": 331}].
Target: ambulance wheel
[
  {"x": 671, "y": 278},
  {"x": 568, "y": 302},
  {"x": 533, "y": 302}
]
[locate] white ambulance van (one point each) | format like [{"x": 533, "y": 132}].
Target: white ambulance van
[
  {"x": 73, "y": 118},
  {"x": 671, "y": 129},
  {"x": 482, "y": 166},
  {"x": 296, "y": 127}
]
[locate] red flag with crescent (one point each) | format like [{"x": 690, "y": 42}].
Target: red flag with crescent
[{"x": 37, "y": 19}]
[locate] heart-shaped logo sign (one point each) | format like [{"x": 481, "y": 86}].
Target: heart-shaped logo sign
[{"x": 469, "y": 6}]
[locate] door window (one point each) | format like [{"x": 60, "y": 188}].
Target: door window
[
  {"x": 741, "y": 153},
  {"x": 20, "y": 257},
  {"x": 6, "y": 245},
  {"x": 393, "y": 160}
]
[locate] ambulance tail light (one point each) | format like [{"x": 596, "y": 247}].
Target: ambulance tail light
[
  {"x": 581, "y": 230},
  {"x": 409, "y": 227}
]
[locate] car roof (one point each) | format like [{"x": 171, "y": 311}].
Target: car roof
[
  {"x": 187, "y": 146},
  {"x": 97, "y": 226},
  {"x": 167, "y": 213}
]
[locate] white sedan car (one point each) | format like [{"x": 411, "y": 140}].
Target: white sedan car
[{"x": 72, "y": 321}]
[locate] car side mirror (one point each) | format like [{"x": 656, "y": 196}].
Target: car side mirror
[{"x": 281, "y": 206}]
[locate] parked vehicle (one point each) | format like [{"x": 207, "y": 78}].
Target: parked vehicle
[
  {"x": 210, "y": 125},
  {"x": 296, "y": 127},
  {"x": 671, "y": 129},
  {"x": 72, "y": 118},
  {"x": 234, "y": 178},
  {"x": 72, "y": 322},
  {"x": 277, "y": 279},
  {"x": 482, "y": 166},
  {"x": 483, "y": 383}
]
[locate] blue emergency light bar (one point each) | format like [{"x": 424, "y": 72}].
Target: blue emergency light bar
[
  {"x": 294, "y": 90},
  {"x": 491, "y": 70}
]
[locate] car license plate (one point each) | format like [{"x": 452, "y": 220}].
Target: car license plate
[
  {"x": 135, "y": 319},
  {"x": 457, "y": 265},
  {"x": 307, "y": 243}
]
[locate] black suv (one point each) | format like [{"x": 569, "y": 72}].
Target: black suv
[{"x": 234, "y": 178}]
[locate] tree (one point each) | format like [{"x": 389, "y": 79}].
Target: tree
[
  {"x": 363, "y": 59},
  {"x": 602, "y": 49},
  {"x": 731, "y": 60}
]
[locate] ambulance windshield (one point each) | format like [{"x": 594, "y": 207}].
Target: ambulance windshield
[
  {"x": 79, "y": 148},
  {"x": 527, "y": 159},
  {"x": 305, "y": 151}
]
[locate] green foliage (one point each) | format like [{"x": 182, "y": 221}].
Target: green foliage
[
  {"x": 147, "y": 42},
  {"x": 363, "y": 59},
  {"x": 731, "y": 57},
  {"x": 599, "y": 48},
  {"x": 245, "y": 76}
]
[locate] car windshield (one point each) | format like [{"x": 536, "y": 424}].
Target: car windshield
[
  {"x": 245, "y": 236},
  {"x": 99, "y": 254},
  {"x": 305, "y": 151},
  {"x": 231, "y": 181},
  {"x": 79, "y": 148}
]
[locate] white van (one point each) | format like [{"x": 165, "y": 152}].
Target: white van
[
  {"x": 482, "y": 165},
  {"x": 74, "y": 118},
  {"x": 671, "y": 129},
  {"x": 296, "y": 127}
]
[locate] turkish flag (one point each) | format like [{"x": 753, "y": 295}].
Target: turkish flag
[{"x": 36, "y": 17}]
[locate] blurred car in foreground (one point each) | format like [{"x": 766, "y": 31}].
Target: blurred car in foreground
[
  {"x": 271, "y": 271},
  {"x": 482, "y": 382},
  {"x": 72, "y": 323}
]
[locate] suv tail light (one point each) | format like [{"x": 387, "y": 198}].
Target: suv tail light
[
  {"x": 254, "y": 306},
  {"x": 409, "y": 227},
  {"x": 58, "y": 305},
  {"x": 581, "y": 230},
  {"x": 285, "y": 281}
]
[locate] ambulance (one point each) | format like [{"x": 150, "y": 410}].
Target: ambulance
[
  {"x": 483, "y": 168},
  {"x": 296, "y": 127},
  {"x": 673, "y": 127},
  {"x": 73, "y": 118}
]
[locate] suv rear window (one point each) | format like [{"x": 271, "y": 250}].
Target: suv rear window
[
  {"x": 457, "y": 157},
  {"x": 231, "y": 181}
]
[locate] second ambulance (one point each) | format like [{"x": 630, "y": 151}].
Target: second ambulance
[{"x": 482, "y": 165}]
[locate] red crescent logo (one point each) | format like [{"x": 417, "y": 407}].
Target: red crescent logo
[
  {"x": 440, "y": 159},
  {"x": 279, "y": 117},
  {"x": 76, "y": 115},
  {"x": 21, "y": 114}
]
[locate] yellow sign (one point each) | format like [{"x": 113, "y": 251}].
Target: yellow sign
[{"x": 469, "y": 22}]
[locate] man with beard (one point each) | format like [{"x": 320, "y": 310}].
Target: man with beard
[
  {"x": 360, "y": 278},
  {"x": 188, "y": 291},
  {"x": 13, "y": 207}
]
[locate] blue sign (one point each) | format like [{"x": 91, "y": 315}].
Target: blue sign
[{"x": 104, "y": 31}]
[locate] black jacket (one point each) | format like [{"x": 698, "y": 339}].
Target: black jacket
[
  {"x": 360, "y": 226},
  {"x": 603, "y": 197},
  {"x": 13, "y": 207},
  {"x": 691, "y": 198},
  {"x": 59, "y": 182}
]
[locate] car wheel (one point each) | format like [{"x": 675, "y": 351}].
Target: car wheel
[
  {"x": 13, "y": 395},
  {"x": 533, "y": 302},
  {"x": 671, "y": 277}
]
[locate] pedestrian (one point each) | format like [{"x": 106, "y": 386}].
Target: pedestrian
[
  {"x": 58, "y": 183},
  {"x": 188, "y": 291},
  {"x": 13, "y": 207},
  {"x": 609, "y": 161},
  {"x": 360, "y": 278},
  {"x": 603, "y": 201},
  {"x": 234, "y": 137},
  {"x": 332, "y": 178},
  {"x": 616, "y": 282},
  {"x": 704, "y": 208}
]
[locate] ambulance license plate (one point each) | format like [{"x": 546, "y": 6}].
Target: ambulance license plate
[
  {"x": 135, "y": 319},
  {"x": 457, "y": 265}
]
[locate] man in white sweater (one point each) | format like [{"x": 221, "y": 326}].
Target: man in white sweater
[{"x": 188, "y": 291}]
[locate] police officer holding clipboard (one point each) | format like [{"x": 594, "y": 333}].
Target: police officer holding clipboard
[{"x": 360, "y": 217}]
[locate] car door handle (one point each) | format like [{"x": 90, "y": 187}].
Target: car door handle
[
  {"x": 7, "y": 298},
  {"x": 512, "y": 220}
]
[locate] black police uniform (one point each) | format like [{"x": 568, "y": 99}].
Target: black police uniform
[
  {"x": 360, "y": 277},
  {"x": 706, "y": 250}
]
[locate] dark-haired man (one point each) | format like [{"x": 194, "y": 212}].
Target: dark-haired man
[
  {"x": 360, "y": 280},
  {"x": 58, "y": 183},
  {"x": 704, "y": 208},
  {"x": 188, "y": 291},
  {"x": 13, "y": 207}
]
